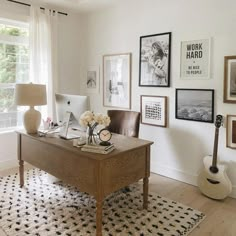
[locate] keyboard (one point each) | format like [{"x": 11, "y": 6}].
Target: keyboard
[{"x": 70, "y": 136}]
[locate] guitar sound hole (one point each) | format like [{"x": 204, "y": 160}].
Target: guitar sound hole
[{"x": 214, "y": 169}]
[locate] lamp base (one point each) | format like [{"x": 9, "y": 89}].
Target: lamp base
[{"x": 32, "y": 120}]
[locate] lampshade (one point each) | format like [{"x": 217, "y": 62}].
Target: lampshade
[{"x": 30, "y": 94}]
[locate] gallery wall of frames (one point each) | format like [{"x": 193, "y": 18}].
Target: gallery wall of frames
[{"x": 195, "y": 105}]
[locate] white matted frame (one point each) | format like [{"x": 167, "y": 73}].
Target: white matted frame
[
  {"x": 230, "y": 79},
  {"x": 154, "y": 110},
  {"x": 117, "y": 80},
  {"x": 92, "y": 79},
  {"x": 231, "y": 131},
  {"x": 195, "y": 59}
]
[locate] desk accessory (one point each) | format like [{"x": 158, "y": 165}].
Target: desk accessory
[
  {"x": 105, "y": 136},
  {"x": 98, "y": 148},
  {"x": 90, "y": 120},
  {"x": 79, "y": 142}
]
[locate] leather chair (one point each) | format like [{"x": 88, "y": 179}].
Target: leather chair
[{"x": 124, "y": 122}]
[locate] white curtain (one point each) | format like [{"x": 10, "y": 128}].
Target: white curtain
[{"x": 43, "y": 54}]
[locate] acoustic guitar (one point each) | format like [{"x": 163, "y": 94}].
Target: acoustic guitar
[{"x": 213, "y": 180}]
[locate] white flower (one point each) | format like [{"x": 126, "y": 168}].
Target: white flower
[
  {"x": 106, "y": 120},
  {"x": 88, "y": 118}
]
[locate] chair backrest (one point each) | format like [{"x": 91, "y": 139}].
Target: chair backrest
[{"x": 124, "y": 122}]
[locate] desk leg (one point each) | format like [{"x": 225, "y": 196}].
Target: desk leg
[
  {"x": 99, "y": 218},
  {"x": 21, "y": 162},
  {"x": 145, "y": 192},
  {"x": 21, "y": 172}
]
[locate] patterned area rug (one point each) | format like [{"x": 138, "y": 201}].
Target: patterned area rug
[{"x": 45, "y": 209}]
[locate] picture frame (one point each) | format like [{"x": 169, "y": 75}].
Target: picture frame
[
  {"x": 195, "y": 59},
  {"x": 117, "y": 80},
  {"x": 194, "y": 104},
  {"x": 231, "y": 131},
  {"x": 153, "y": 110},
  {"x": 92, "y": 79},
  {"x": 154, "y": 60},
  {"x": 230, "y": 79}
]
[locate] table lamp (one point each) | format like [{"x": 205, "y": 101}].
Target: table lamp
[{"x": 31, "y": 95}]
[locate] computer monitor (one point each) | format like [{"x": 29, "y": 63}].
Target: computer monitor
[{"x": 76, "y": 104}]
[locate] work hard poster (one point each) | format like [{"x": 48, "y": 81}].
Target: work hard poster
[{"x": 195, "y": 59}]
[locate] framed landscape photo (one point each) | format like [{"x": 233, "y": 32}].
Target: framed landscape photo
[
  {"x": 195, "y": 104},
  {"x": 154, "y": 110},
  {"x": 230, "y": 79},
  {"x": 195, "y": 59},
  {"x": 116, "y": 79},
  {"x": 154, "y": 60},
  {"x": 92, "y": 79},
  {"x": 231, "y": 131}
]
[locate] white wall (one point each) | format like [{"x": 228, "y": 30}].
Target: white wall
[
  {"x": 178, "y": 149},
  {"x": 70, "y": 60}
]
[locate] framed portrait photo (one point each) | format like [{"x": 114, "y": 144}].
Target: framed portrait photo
[
  {"x": 231, "y": 131},
  {"x": 154, "y": 110},
  {"x": 195, "y": 105},
  {"x": 230, "y": 79},
  {"x": 92, "y": 79},
  {"x": 154, "y": 60},
  {"x": 195, "y": 59},
  {"x": 116, "y": 79}
]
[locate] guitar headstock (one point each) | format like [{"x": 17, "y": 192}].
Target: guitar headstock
[{"x": 218, "y": 121}]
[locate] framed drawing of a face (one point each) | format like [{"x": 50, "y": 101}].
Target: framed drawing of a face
[{"x": 154, "y": 60}]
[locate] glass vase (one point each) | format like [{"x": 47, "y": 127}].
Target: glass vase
[{"x": 90, "y": 136}]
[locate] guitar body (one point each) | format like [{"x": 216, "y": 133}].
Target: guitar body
[{"x": 214, "y": 185}]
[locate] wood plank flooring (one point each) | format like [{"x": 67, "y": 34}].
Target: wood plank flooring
[{"x": 220, "y": 215}]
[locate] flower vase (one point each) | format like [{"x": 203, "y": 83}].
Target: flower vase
[{"x": 90, "y": 136}]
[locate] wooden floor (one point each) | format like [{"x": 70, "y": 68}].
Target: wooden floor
[{"x": 220, "y": 215}]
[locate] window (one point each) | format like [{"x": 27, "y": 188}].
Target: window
[{"x": 14, "y": 68}]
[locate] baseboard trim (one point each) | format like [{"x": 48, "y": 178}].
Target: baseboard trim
[
  {"x": 8, "y": 164},
  {"x": 181, "y": 176}
]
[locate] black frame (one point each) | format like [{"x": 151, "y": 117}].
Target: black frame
[
  {"x": 144, "y": 59},
  {"x": 197, "y": 112}
]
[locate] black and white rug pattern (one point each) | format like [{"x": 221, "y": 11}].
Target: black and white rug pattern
[{"x": 42, "y": 208}]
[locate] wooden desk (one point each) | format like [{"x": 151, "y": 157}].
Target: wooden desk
[{"x": 96, "y": 174}]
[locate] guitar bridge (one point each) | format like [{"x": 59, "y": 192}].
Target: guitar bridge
[{"x": 212, "y": 181}]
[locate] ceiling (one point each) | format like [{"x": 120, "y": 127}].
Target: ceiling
[{"x": 80, "y": 5}]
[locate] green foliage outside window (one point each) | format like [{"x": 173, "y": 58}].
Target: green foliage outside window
[{"x": 14, "y": 65}]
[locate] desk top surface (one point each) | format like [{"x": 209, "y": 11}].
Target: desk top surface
[{"x": 122, "y": 144}]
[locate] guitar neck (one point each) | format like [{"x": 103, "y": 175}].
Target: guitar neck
[{"x": 215, "y": 149}]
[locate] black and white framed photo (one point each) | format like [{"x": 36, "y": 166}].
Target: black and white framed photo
[
  {"x": 154, "y": 110},
  {"x": 230, "y": 79},
  {"x": 195, "y": 59},
  {"x": 195, "y": 104},
  {"x": 154, "y": 60},
  {"x": 231, "y": 131},
  {"x": 116, "y": 79},
  {"x": 92, "y": 79}
]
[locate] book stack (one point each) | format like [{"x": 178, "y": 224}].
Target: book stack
[{"x": 98, "y": 148}]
